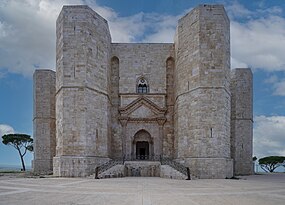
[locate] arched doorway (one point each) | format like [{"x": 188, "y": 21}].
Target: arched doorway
[
  {"x": 142, "y": 150},
  {"x": 142, "y": 145}
]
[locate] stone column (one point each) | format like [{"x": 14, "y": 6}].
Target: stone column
[
  {"x": 124, "y": 125},
  {"x": 160, "y": 124}
]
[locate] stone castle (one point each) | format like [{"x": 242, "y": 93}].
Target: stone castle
[{"x": 138, "y": 101}]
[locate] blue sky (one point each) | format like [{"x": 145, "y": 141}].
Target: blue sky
[{"x": 27, "y": 42}]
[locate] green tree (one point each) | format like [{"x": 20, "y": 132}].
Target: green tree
[
  {"x": 269, "y": 164},
  {"x": 21, "y": 142}
]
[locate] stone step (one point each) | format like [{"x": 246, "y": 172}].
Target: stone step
[{"x": 142, "y": 169}]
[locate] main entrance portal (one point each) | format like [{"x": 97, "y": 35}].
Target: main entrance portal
[
  {"x": 142, "y": 150},
  {"x": 142, "y": 146}
]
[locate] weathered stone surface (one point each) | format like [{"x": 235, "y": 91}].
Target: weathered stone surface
[
  {"x": 168, "y": 172},
  {"x": 142, "y": 169},
  {"x": 202, "y": 108},
  {"x": 44, "y": 121},
  {"x": 241, "y": 121},
  {"x": 131, "y": 100},
  {"x": 76, "y": 166},
  {"x": 82, "y": 100}
]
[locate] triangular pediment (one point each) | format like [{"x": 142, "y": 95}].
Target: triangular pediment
[
  {"x": 142, "y": 108},
  {"x": 142, "y": 112}
]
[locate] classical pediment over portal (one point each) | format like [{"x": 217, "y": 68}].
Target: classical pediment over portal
[
  {"x": 142, "y": 109},
  {"x": 142, "y": 112}
]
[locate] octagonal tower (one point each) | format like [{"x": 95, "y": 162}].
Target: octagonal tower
[{"x": 202, "y": 78}]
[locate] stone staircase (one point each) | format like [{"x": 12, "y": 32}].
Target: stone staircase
[
  {"x": 165, "y": 168},
  {"x": 177, "y": 166},
  {"x": 171, "y": 173},
  {"x": 109, "y": 170}
]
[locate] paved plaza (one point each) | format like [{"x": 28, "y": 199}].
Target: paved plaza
[{"x": 257, "y": 189}]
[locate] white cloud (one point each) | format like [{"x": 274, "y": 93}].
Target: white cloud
[
  {"x": 237, "y": 10},
  {"x": 27, "y": 31},
  {"x": 27, "y": 34},
  {"x": 29, "y": 41},
  {"x": 278, "y": 85},
  {"x": 162, "y": 28},
  {"x": 272, "y": 79},
  {"x": 269, "y": 136},
  {"x": 258, "y": 39},
  {"x": 126, "y": 29},
  {"x": 237, "y": 64},
  {"x": 6, "y": 129},
  {"x": 279, "y": 88}
]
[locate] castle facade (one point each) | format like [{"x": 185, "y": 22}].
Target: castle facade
[{"x": 138, "y": 101}]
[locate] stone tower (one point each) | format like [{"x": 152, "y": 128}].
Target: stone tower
[
  {"x": 166, "y": 102},
  {"x": 44, "y": 121},
  {"x": 202, "y": 109},
  {"x": 82, "y": 106},
  {"x": 241, "y": 121}
]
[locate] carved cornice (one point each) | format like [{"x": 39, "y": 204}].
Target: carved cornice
[
  {"x": 123, "y": 121},
  {"x": 159, "y": 120},
  {"x": 142, "y": 101},
  {"x": 126, "y": 111},
  {"x": 143, "y": 94}
]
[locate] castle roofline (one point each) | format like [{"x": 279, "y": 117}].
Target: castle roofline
[
  {"x": 87, "y": 8},
  {"x": 44, "y": 70},
  {"x": 207, "y": 6}
]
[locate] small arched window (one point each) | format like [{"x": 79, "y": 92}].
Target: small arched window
[{"x": 142, "y": 86}]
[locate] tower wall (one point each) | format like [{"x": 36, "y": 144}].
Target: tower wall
[
  {"x": 44, "y": 120},
  {"x": 116, "y": 130},
  {"x": 241, "y": 121},
  {"x": 202, "y": 106},
  {"x": 168, "y": 125},
  {"x": 82, "y": 98}
]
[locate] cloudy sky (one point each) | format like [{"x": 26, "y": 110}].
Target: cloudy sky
[{"x": 27, "y": 42}]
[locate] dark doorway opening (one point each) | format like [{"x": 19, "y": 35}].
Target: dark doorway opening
[{"x": 142, "y": 150}]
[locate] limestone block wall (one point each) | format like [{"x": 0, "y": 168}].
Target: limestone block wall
[
  {"x": 167, "y": 171},
  {"x": 44, "y": 120},
  {"x": 168, "y": 141},
  {"x": 241, "y": 120},
  {"x": 114, "y": 172},
  {"x": 142, "y": 169},
  {"x": 116, "y": 129},
  {"x": 153, "y": 61},
  {"x": 82, "y": 93},
  {"x": 202, "y": 107},
  {"x": 142, "y": 59},
  {"x": 158, "y": 98}
]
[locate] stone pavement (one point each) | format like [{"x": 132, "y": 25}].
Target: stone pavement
[{"x": 258, "y": 189}]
